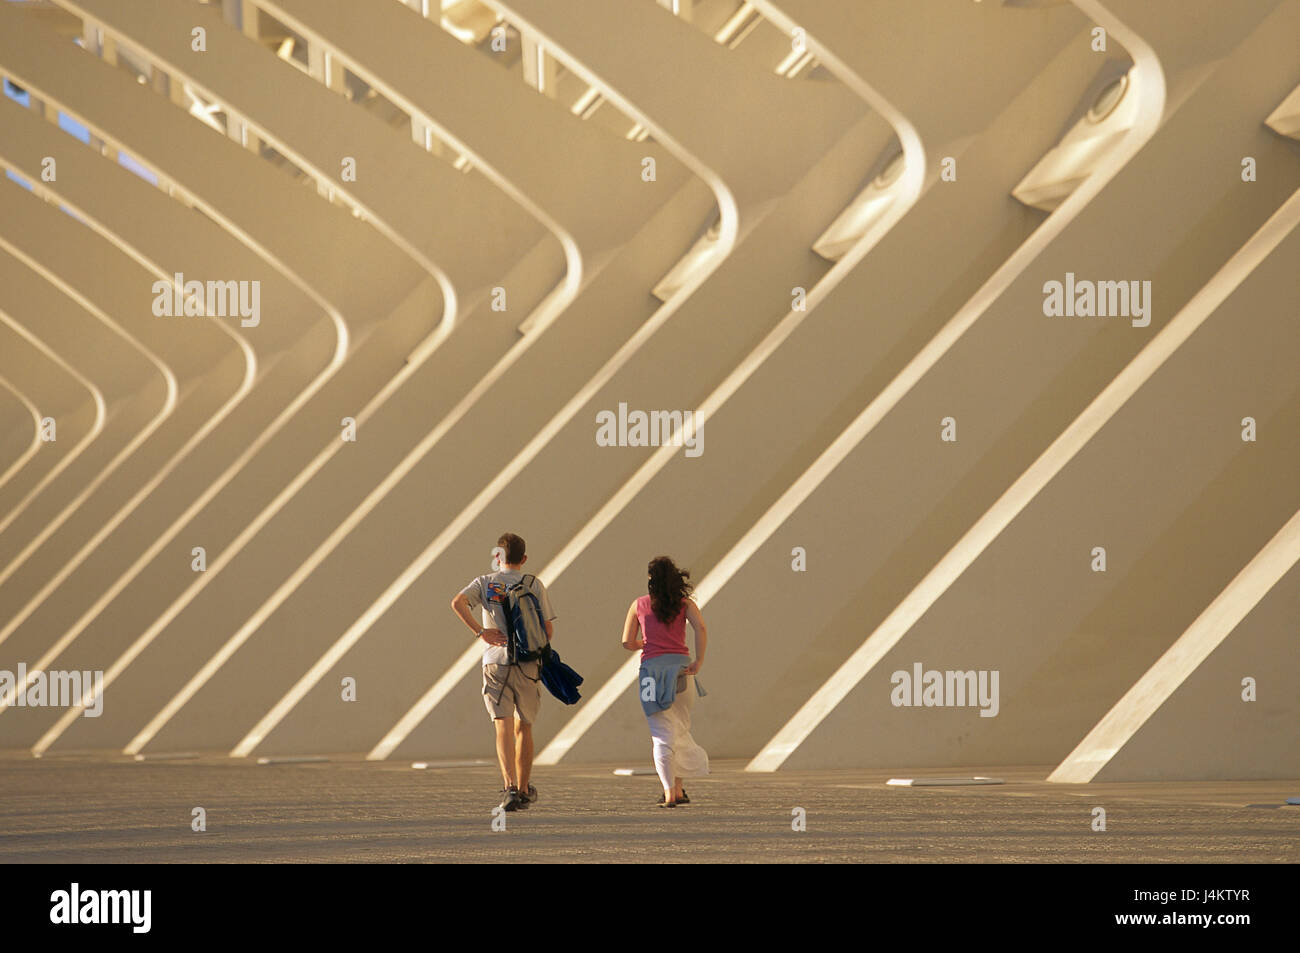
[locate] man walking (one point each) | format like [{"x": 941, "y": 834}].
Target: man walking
[{"x": 510, "y": 692}]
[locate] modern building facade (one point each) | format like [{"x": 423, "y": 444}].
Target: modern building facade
[{"x": 951, "y": 344}]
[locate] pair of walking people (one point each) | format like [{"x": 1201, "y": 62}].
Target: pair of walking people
[{"x": 655, "y": 624}]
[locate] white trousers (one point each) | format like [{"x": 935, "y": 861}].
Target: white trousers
[{"x": 675, "y": 752}]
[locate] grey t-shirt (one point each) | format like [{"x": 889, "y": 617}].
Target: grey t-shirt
[{"x": 488, "y": 591}]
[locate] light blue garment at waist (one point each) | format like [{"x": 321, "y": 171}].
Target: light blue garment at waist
[{"x": 659, "y": 693}]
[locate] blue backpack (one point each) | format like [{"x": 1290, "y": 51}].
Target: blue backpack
[{"x": 526, "y": 639}]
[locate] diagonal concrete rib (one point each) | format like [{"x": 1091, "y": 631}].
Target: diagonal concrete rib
[
  {"x": 31, "y": 283},
  {"x": 165, "y": 239},
  {"x": 1241, "y": 358},
  {"x": 418, "y": 204},
  {"x": 1163, "y": 470},
  {"x": 699, "y": 310},
  {"x": 156, "y": 627},
  {"x": 312, "y": 242},
  {"x": 239, "y": 191},
  {"x": 891, "y": 315},
  {"x": 44, "y": 385},
  {"x": 18, "y": 409},
  {"x": 126, "y": 391},
  {"x": 524, "y": 142},
  {"x": 751, "y": 128},
  {"x": 1177, "y": 722},
  {"x": 208, "y": 372},
  {"x": 778, "y": 177},
  {"x": 623, "y": 220},
  {"x": 86, "y": 345},
  {"x": 1155, "y": 178}
]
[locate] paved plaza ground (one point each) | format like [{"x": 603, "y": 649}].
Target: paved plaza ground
[{"x": 97, "y": 808}]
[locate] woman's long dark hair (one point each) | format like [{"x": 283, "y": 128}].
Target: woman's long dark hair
[{"x": 669, "y": 589}]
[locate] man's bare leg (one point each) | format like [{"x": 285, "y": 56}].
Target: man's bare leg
[
  {"x": 524, "y": 753},
  {"x": 505, "y": 728}
]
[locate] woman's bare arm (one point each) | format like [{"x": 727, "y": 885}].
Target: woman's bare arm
[
  {"x": 632, "y": 631},
  {"x": 696, "y": 619}
]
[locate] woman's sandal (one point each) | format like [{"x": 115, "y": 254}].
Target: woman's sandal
[{"x": 681, "y": 800}]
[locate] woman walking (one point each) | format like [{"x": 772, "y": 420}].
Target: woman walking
[{"x": 656, "y": 624}]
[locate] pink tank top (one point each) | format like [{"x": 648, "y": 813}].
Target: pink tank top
[{"x": 661, "y": 639}]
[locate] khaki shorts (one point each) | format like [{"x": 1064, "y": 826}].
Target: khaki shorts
[{"x": 508, "y": 689}]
